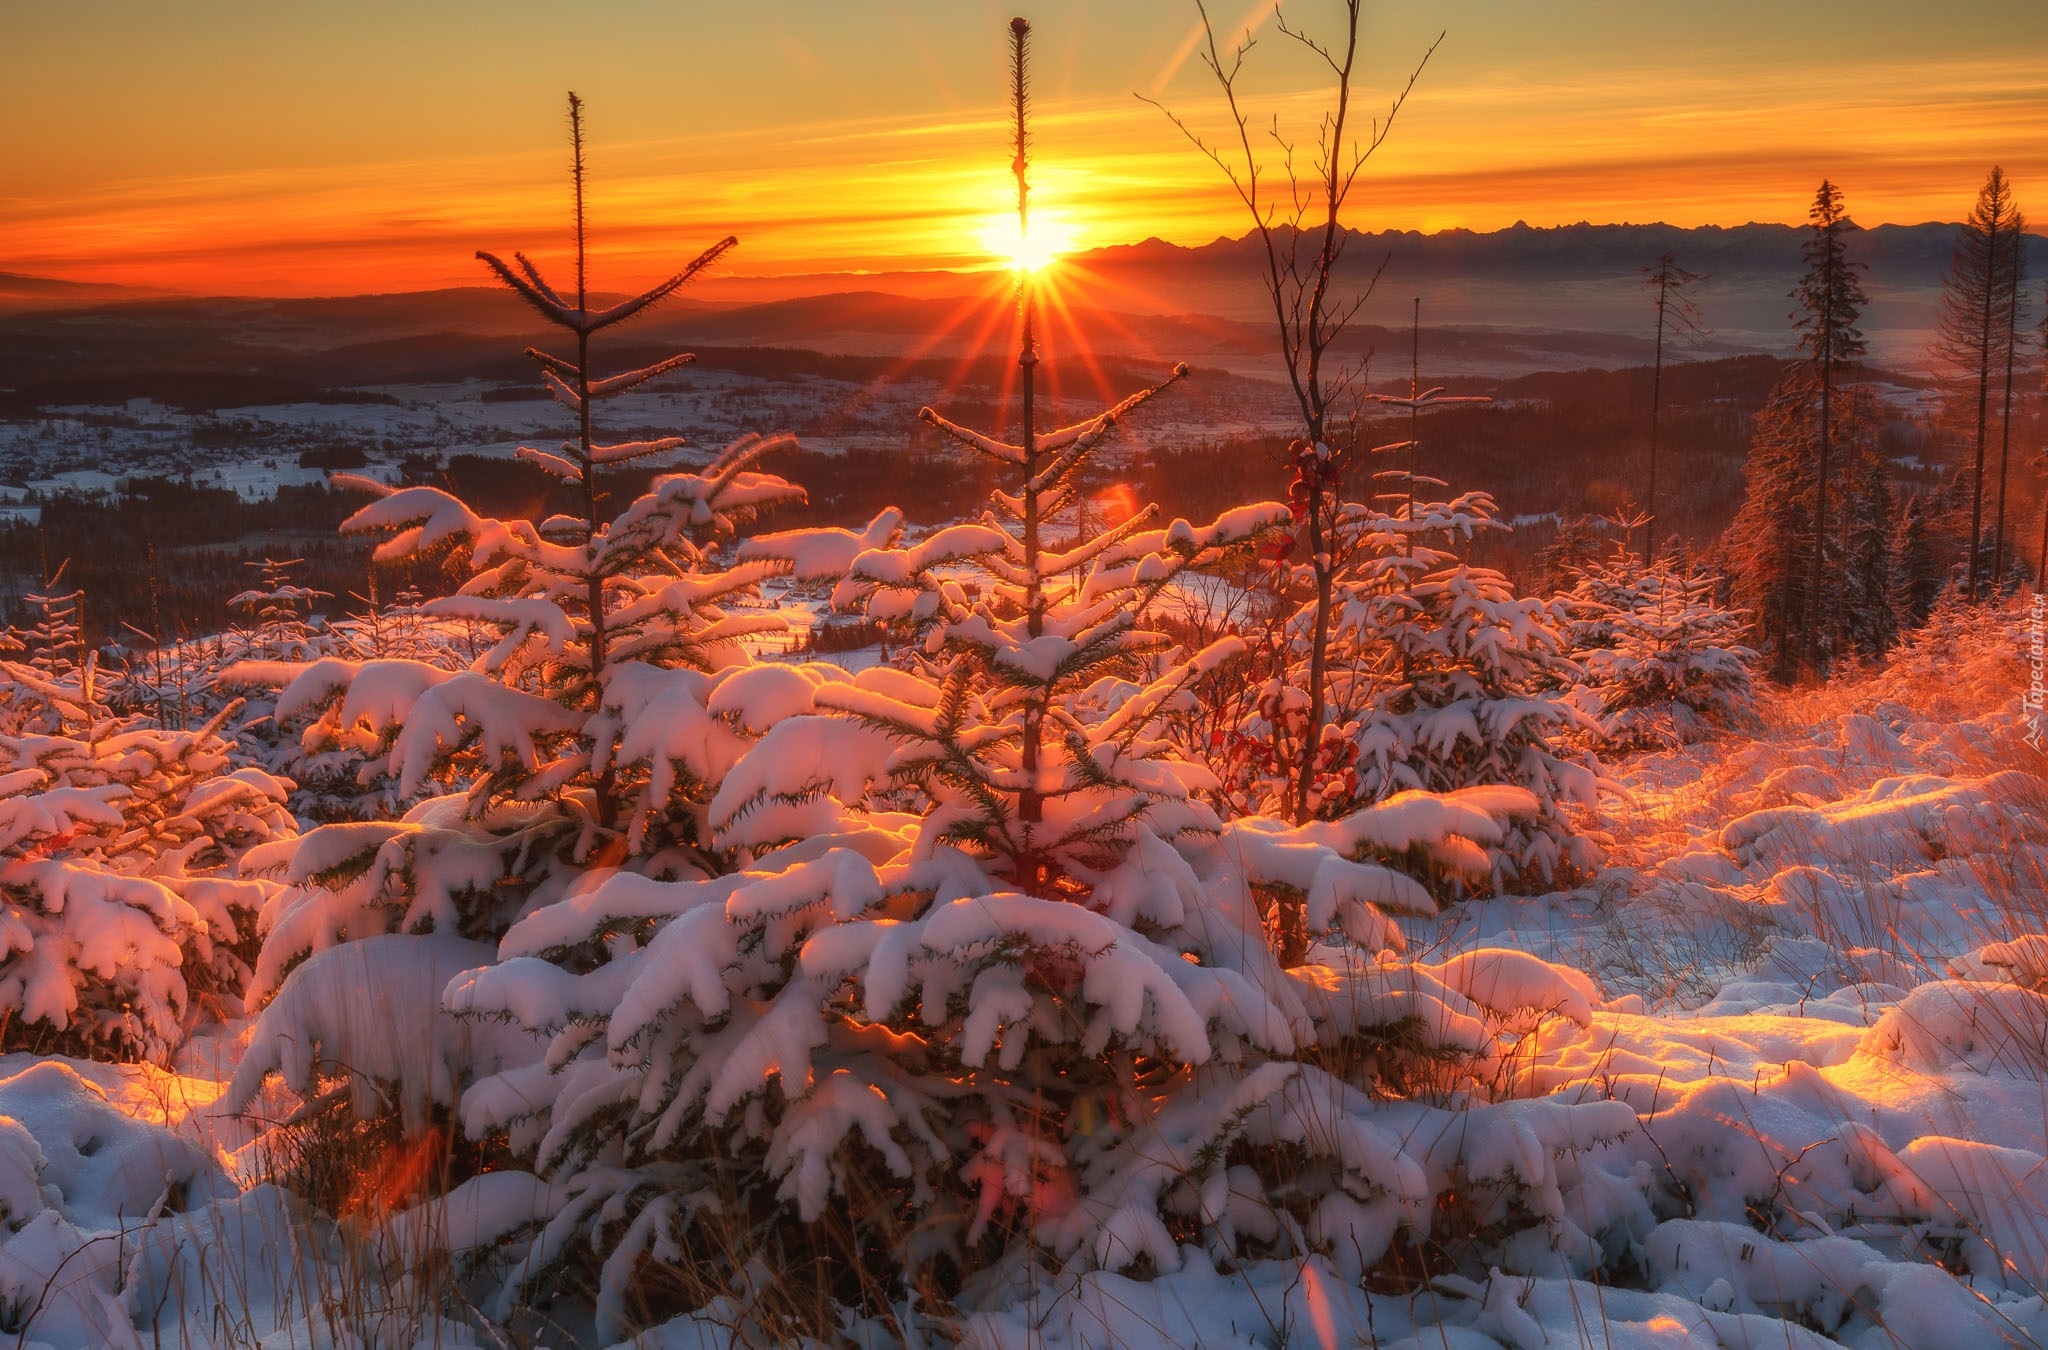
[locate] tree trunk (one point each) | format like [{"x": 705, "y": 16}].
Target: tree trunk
[
  {"x": 1820, "y": 505},
  {"x": 1983, "y": 410},
  {"x": 607, "y": 781},
  {"x": 1656, "y": 407},
  {"x": 2012, "y": 343}
]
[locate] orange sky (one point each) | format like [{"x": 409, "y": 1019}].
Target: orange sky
[{"x": 256, "y": 148}]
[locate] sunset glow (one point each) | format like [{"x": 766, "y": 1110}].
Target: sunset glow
[
  {"x": 302, "y": 155},
  {"x": 1164, "y": 673},
  {"x": 1027, "y": 250}
]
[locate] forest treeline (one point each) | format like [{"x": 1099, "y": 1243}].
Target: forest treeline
[
  {"x": 1830, "y": 555},
  {"x": 1552, "y": 446}
]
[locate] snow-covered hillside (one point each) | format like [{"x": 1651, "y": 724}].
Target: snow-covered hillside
[{"x": 1818, "y": 1046}]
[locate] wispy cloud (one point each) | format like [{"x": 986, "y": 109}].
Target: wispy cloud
[
  {"x": 1247, "y": 29},
  {"x": 1909, "y": 141}
]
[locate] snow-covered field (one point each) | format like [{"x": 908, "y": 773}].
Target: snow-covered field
[
  {"x": 1819, "y": 1035},
  {"x": 256, "y": 450}
]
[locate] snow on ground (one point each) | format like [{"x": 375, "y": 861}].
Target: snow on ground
[
  {"x": 1821, "y": 947},
  {"x": 1821, "y": 950}
]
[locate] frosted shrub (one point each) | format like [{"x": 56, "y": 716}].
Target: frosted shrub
[
  {"x": 123, "y": 893},
  {"x": 1442, "y": 678},
  {"x": 1664, "y": 662}
]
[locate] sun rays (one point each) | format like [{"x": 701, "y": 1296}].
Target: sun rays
[{"x": 1050, "y": 237}]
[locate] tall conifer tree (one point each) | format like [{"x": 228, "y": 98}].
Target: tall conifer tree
[
  {"x": 1772, "y": 535},
  {"x": 1978, "y": 331},
  {"x": 1831, "y": 298},
  {"x": 1799, "y": 623}
]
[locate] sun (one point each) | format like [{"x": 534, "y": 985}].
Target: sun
[{"x": 1050, "y": 236}]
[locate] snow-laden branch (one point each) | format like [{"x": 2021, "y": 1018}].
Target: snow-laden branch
[
  {"x": 1427, "y": 399},
  {"x": 626, "y": 451},
  {"x": 742, "y": 454},
  {"x": 358, "y": 482},
  {"x": 619, "y": 384},
  {"x": 568, "y": 370},
  {"x": 1071, "y": 443},
  {"x": 829, "y": 552},
  {"x": 902, "y": 566},
  {"x": 550, "y": 463},
  {"x": 1000, "y": 451},
  {"x": 421, "y": 518}
]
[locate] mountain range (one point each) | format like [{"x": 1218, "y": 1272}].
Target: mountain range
[{"x": 1502, "y": 302}]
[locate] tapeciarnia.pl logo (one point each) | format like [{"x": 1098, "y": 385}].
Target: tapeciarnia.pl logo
[{"x": 2037, "y": 656}]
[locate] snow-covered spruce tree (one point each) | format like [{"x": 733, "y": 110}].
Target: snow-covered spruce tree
[
  {"x": 52, "y": 652},
  {"x": 1450, "y": 680},
  {"x": 1440, "y": 678},
  {"x": 1578, "y": 543},
  {"x": 1664, "y": 662},
  {"x": 123, "y": 898},
  {"x": 994, "y": 988},
  {"x": 278, "y": 613},
  {"x": 397, "y": 628},
  {"x": 586, "y": 739}
]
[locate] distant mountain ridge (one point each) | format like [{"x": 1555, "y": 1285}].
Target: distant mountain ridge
[
  {"x": 1516, "y": 299},
  {"x": 1916, "y": 254},
  {"x": 1581, "y": 278},
  {"x": 1584, "y": 249},
  {"x": 19, "y": 291}
]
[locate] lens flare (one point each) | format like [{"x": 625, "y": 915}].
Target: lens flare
[{"x": 1050, "y": 236}]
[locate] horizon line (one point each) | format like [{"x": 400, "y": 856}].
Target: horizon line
[{"x": 937, "y": 268}]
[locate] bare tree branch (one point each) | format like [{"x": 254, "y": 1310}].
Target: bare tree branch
[{"x": 1297, "y": 210}]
